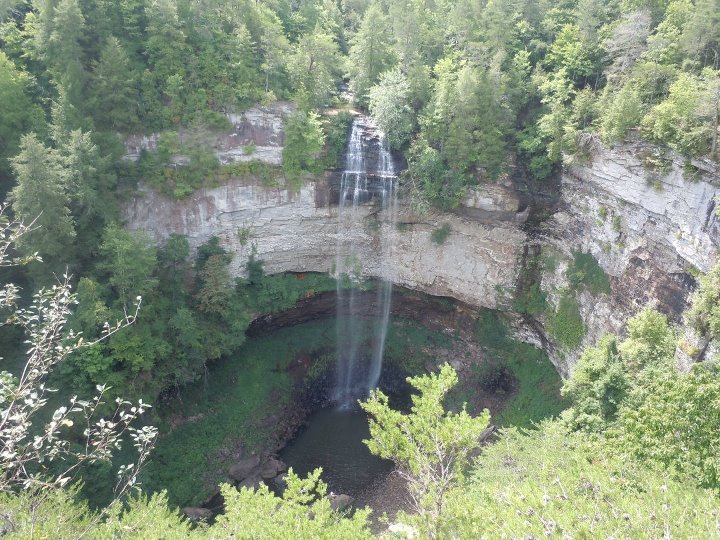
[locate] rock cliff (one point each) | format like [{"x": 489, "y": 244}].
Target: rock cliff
[
  {"x": 298, "y": 232},
  {"x": 646, "y": 216},
  {"x": 651, "y": 229}
]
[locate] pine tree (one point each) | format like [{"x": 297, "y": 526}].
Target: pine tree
[
  {"x": 41, "y": 196},
  {"x": 115, "y": 97},
  {"x": 371, "y": 53}
]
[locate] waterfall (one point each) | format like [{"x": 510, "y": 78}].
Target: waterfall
[
  {"x": 384, "y": 291},
  {"x": 364, "y": 181}
]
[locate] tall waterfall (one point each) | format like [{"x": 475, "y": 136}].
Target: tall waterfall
[{"x": 369, "y": 178}]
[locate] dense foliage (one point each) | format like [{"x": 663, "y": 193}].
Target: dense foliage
[{"x": 470, "y": 92}]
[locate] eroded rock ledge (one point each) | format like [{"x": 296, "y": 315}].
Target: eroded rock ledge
[
  {"x": 298, "y": 232},
  {"x": 649, "y": 230}
]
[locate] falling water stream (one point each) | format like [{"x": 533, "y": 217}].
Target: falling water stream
[
  {"x": 367, "y": 208},
  {"x": 369, "y": 178}
]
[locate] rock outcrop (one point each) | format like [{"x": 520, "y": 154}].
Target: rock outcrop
[
  {"x": 647, "y": 217},
  {"x": 244, "y": 468},
  {"x": 338, "y": 503},
  {"x": 298, "y": 232},
  {"x": 649, "y": 230},
  {"x": 256, "y": 135}
]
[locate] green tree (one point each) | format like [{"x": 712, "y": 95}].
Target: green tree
[
  {"x": 166, "y": 44},
  {"x": 432, "y": 179},
  {"x": 476, "y": 138},
  {"x": 389, "y": 103},
  {"x": 239, "y": 77},
  {"x": 676, "y": 425},
  {"x": 313, "y": 67},
  {"x": 371, "y": 53},
  {"x": 676, "y": 121},
  {"x": 167, "y": 52},
  {"x": 20, "y": 115},
  {"x": 597, "y": 387},
  {"x": 570, "y": 53},
  {"x": 704, "y": 314},
  {"x": 546, "y": 483},
  {"x": 63, "y": 50},
  {"x": 439, "y": 112},
  {"x": 304, "y": 138},
  {"x": 90, "y": 181},
  {"x": 650, "y": 342},
  {"x": 174, "y": 265},
  {"x": 130, "y": 262},
  {"x": 40, "y": 196},
  {"x": 701, "y": 35},
  {"x": 115, "y": 96},
  {"x": 665, "y": 45},
  {"x": 273, "y": 47},
  {"x": 215, "y": 286},
  {"x": 614, "y": 375},
  {"x": 623, "y": 112},
  {"x": 261, "y": 514},
  {"x": 430, "y": 446},
  {"x": 557, "y": 92}
]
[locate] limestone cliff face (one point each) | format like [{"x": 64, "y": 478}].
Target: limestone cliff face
[
  {"x": 298, "y": 232},
  {"x": 650, "y": 231},
  {"x": 648, "y": 222}
]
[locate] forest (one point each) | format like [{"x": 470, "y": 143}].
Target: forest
[{"x": 467, "y": 93}]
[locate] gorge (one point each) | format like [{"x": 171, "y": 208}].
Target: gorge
[
  {"x": 275, "y": 269},
  {"x": 505, "y": 247},
  {"x": 646, "y": 235}
]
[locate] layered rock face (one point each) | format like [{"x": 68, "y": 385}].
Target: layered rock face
[
  {"x": 650, "y": 231},
  {"x": 298, "y": 232},
  {"x": 649, "y": 226}
]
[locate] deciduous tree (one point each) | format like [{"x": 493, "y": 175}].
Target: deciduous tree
[{"x": 431, "y": 446}]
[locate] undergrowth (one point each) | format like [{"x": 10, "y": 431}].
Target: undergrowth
[
  {"x": 225, "y": 410},
  {"x": 537, "y": 382},
  {"x": 566, "y": 323}
]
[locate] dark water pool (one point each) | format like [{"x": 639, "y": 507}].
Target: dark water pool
[{"x": 332, "y": 440}]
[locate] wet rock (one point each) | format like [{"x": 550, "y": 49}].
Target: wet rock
[
  {"x": 197, "y": 514},
  {"x": 340, "y": 502},
  {"x": 244, "y": 468},
  {"x": 251, "y": 482},
  {"x": 271, "y": 468}
]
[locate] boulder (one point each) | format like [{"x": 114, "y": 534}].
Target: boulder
[
  {"x": 271, "y": 468},
  {"x": 244, "y": 468},
  {"x": 251, "y": 482},
  {"x": 197, "y": 514},
  {"x": 280, "y": 482},
  {"x": 340, "y": 502}
]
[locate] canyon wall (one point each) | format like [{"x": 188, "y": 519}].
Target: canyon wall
[
  {"x": 298, "y": 232},
  {"x": 646, "y": 216},
  {"x": 651, "y": 231}
]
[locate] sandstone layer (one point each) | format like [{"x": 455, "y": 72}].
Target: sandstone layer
[{"x": 651, "y": 228}]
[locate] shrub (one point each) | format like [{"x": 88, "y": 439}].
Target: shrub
[
  {"x": 441, "y": 234},
  {"x": 566, "y": 324}
]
